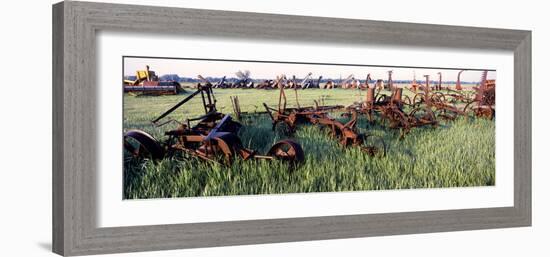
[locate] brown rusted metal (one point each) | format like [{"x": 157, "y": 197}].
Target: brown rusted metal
[
  {"x": 439, "y": 87},
  {"x": 287, "y": 150},
  {"x": 483, "y": 104},
  {"x": 214, "y": 136},
  {"x": 366, "y": 85},
  {"x": 414, "y": 84},
  {"x": 287, "y": 119},
  {"x": 391, "y": 109},
  {"x": 390, "y": 80},
  {"x": 458, "y": 85}
]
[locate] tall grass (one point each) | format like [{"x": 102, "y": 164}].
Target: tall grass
[{"x": 455, "y": 154}]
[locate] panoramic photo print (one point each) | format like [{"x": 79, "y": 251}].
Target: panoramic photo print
[{"x": 204, "y": 127}]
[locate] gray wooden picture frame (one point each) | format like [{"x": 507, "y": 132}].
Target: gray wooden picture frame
[{"x": 75, "y": 25}]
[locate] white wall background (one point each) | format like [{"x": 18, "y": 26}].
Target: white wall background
[{"x": 25, "y": 114}]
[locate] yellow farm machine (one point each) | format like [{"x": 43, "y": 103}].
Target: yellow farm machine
[{"x": 148, "y": 83}]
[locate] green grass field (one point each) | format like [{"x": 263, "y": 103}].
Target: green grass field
[{"x": 460, "y": 153}]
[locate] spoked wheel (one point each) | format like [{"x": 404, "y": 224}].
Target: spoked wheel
[
  {"x": 142, "y": 145},
  {"x": 423, "y": 116},
  {"x": 381, "y": 99},
  {"x": 373, "y": 145},
  {"x": 396, "y": 118},
  {"x": 407, "y": 100},
  {"x": 486, "y": 112},
  {"x": 445, "y": 114},
  {"x": 438, "y": 97},
  {"x": 418, "y": 99},
  {"x": 482, "y": 112},
  {"x": 447, "y": 111},
  {"x": 474, "y": 109},
  {"x": 287, "y": 150}
]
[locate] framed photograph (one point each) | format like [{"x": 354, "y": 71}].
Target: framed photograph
[{"x": 181, "y": 128}]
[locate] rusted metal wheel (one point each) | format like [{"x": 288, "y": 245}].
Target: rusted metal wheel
[
  {"x": 486, "y": 112},
  {"x": 423, "y": 116},
  {"x": 382, "y": 99},
  {"x": 407, "y": 100},
  {"x": 474, "y": 109},
  {"x": 397, "y": 119},
  {"x": 445, "y": 114},
  {"x": 438, "y": 97},
  {"x": 142, "y": 145},
  {"x": 418, "y": 99},
  {"x": 373, "y": 145},
  {"x": 287, "y": 150}
]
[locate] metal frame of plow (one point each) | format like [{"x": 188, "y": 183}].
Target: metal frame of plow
[{"x": 213, "y": 136}]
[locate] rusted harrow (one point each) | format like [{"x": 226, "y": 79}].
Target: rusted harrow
[
  {"x": 399, "y": 119},
  {"x": 483, "y": 104},
  {"x": 443, "y": 105},
  {"x": 377, "y": 102},
  {"x": 391, "y": 110},
  {"x": 453, "y": 103},
  {"x": 214, "y": 136},
  {"x": 286, "y": 120}
]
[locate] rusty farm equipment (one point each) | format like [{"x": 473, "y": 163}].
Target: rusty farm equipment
[
  {"x": 483, "y": 104},
  {"x": 286, "y": 120},
  {"x": 458, "y": 85},
  {"x": 213, "y": 137},
  {"x": 391, "y": 110},
  {"x": 450, "y": 104},
  {"x": 148, "y": 83}
]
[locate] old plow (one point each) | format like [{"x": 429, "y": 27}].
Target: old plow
[
  {"x": 450, "y": 104},
  {"x": 392, "y": 112},
  {"x": 483, "y": 104},
  {"x": 286, "y": 119},
  {"x": 213, "y": 137}
]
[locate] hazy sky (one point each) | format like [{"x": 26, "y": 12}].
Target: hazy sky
[{"x": 207, "y": 68}]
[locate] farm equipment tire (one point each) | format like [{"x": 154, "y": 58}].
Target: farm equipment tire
[
  {"x": 147, "y": 146},
  {"x": 287, "y": 150}
]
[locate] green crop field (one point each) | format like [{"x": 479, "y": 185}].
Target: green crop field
[{"x": 458, "y": 153}]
